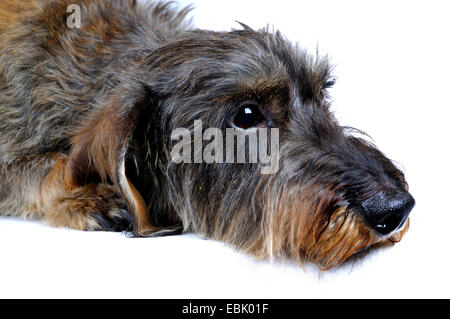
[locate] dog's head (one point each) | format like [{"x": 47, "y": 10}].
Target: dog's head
[{"x": 327, "y": 195}]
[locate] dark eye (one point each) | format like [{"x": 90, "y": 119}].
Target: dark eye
[{"x": 248, "y": 116}]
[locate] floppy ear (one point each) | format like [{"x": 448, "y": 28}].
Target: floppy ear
[{"x": 100, "y": 145}]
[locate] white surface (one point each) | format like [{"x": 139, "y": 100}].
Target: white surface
[{"x": 392, "y": 67}]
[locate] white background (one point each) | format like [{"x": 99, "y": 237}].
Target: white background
[{"x": 392, "y": 68}]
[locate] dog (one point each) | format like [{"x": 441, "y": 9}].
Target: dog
[{"x": 86, "y": 120}]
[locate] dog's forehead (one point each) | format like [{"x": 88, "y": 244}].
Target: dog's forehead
[
  {"x": 240, "y": 64},
  {"x": 270, "y": 63}
]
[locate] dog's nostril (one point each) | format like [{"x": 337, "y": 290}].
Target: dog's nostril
[
  {"x": 389, "y": 224},
  {"x": 386, "y": 212}
]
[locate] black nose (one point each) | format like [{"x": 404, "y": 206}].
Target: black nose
[{"x": 387, "y": 211}]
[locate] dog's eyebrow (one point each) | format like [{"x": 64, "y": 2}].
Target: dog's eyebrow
[{"x": 273, "y": 89}]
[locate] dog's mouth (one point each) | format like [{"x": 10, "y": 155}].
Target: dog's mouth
[
  {"x": 381, "y": 242},
  {"x": 347, "y": 236},
  {"x": 327, "y": 234}
]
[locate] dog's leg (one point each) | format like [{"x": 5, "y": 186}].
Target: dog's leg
[
  {"x": 88, "y": 207},
  {"x": 91, "y": 207},
  {"x": 40, "y": 189}
]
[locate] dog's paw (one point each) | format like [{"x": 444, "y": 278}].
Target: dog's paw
[
  {"x": 93, "y": 207},
  {"x": 115, "y": 219},
  {"x": 110, "y": 213}
]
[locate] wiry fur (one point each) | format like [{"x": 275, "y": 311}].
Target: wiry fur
[{"x": 86, "y": 116}]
